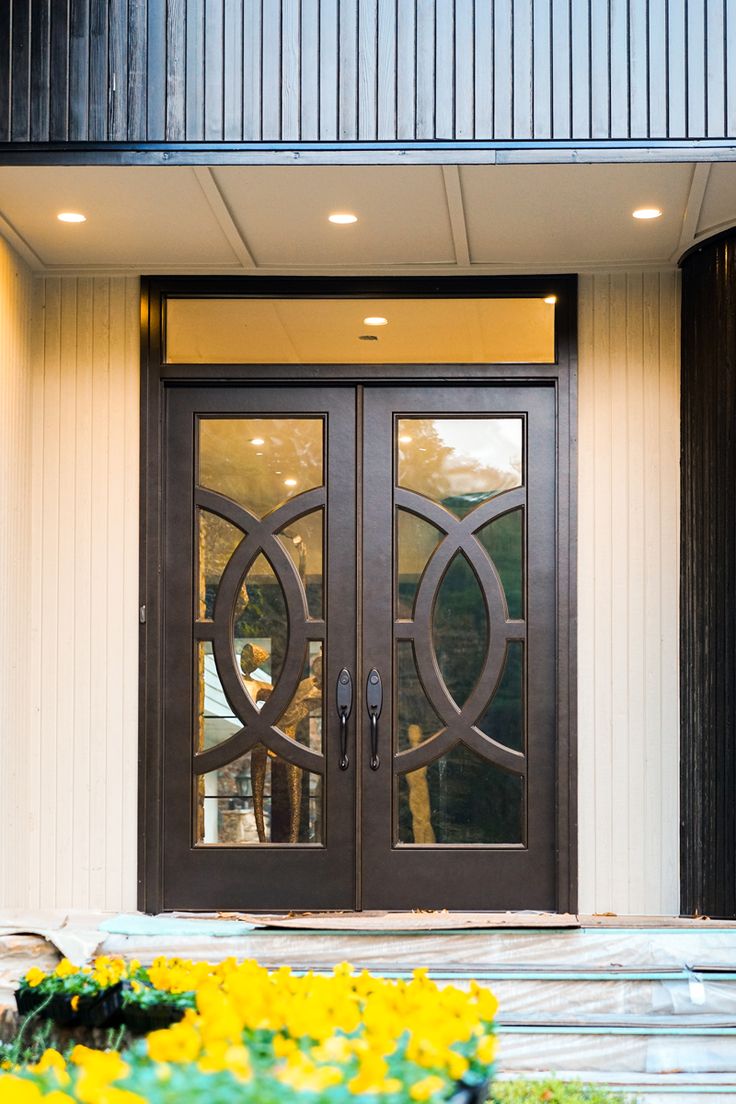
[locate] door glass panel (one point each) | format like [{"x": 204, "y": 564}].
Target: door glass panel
[
  {"x": 302, "y": 718},
  {"x": 503, "y": 720},
  {"x": 416, "y": 720},
  {"x": 459, "y": 462},
  {"x": 218, "y": 539},
  {"x": 260, "y": 462},
  {"x": 303, "y": 539},
  {"x": 416, "y": 540},
  {"x": 216, "y": 720},
  {"x": 261, "y": 629},
  {"x": 259, "y": 798},
  {"x": 460, "y": 628},
  {"x": 461, "y": 798},
  {"x": 502, "y": 539}
]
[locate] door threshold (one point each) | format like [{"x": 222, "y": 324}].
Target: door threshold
[{"x": 420, "y": 920}]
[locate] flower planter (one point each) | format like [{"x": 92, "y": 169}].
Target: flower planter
[
  {"x": 139, "y": 1021},
  {"x": 27, "y": 1001},
  {"x": 95, "y": 1010}
]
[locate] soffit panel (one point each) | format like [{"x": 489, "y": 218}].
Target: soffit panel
[
  {"x": 501, "y": 218},
  {"x": 135, "y": 216},
  {"x": 719, "y": 204},
  {"x": 282, "y": 214},
  {"x": 572, "y": 214}
]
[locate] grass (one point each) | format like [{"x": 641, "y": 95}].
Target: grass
[{"x": 553, "y": 1092}]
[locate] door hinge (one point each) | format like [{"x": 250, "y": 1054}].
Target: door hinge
[{"x": 142, "y": 615}]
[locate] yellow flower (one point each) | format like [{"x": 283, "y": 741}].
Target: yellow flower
[
  {"x": 51, "y": 1060},
  {"x": 35, "y": 976},
  {"x": 426, "y": 1087},
  {"x": 17, "y": 1090},
  {"x": 58, "y": 1097},
  {"x": 485, "y": 1051},
  {"x": 179, "y": 1043},
  {"x": 236, "y": 1059},
  {"x": 66, "y": 968},
  {"x": 75, "y": 1002},
  {"x": 371, "y": 1074}
]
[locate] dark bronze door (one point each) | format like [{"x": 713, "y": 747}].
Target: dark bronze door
[
  {"x": 359, "y": 648},
  {"x": 259, "y": 617},
  {"x": 459, "y": 598}
]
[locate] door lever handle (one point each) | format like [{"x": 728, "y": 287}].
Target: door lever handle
[
  {"x": 344, "y": 701},
  {"x": 374, "y": 701}
]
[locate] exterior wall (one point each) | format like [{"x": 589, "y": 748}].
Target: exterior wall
[
  {"x": 628, "y": 593},
  {"x": 341, "y": 71},
  {"x": 82, "y": 751},
  {"x": 17, "y": 800},
  {"x": 74, "y": 731}
]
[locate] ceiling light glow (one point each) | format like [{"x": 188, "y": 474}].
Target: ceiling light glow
[
  {"x": 257, "y": 441},
  {"x": 342, "y": 218},
  {"x": 375, "y": 320},
  {"x": 71, "y": 216},
  {"x": 551, "y": 299},
  {"x": 290, "y": 482},
  {"x": 404, "y": 440},
  {"x": 646, "y": 213}
]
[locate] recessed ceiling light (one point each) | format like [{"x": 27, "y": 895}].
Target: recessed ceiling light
[
  {"x": 646, "y": 213},
  {"x": 259, "y": 454},
  {"x": 375, "y": 320},
  {"x": 71, "y": 216},
  {"x": 290, "y": 482},
  {"x": 404, "y": 440},
  {"x": 551, "y": 299},
  {"x": 342, "y": 218},
  {"x": 257, "y": 441}
]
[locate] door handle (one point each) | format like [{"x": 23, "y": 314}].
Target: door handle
[
  {"x": 344, "y": 699},
  {"x": 374, "y": 701}
]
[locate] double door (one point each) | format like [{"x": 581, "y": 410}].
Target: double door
[{"x": 359, "y": 647}]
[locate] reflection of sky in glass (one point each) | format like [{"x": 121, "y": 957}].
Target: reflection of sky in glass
[
  {"x": 449, "y": 459},
  {"x": 494, "y": 445}
]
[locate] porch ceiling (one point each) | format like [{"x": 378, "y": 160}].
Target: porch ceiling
[{"x": 418, "y": 218}]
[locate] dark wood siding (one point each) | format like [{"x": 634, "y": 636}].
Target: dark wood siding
[
  {"x": 708, "y": 594},
  {"x": 366, "y": 70}
]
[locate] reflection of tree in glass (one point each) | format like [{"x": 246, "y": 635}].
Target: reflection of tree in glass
[
  {"x": 440, "y": 471},
  {"x": 218, "y": 541},
  {"x": 255, "y": 475}
]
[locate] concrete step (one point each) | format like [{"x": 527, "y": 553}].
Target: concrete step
[
  {"x": 593, "y": 947},
  {"x": 596, "y": 1047}
]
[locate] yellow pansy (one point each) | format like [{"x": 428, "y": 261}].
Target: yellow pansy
[
  {"x": 66, "y": 968},
  {"x": 426, "y": 1087},
  {"x": 179, "y": 1043},
  {"x": 35, "y": 976},
  {"x": 17, "y": 1090}
]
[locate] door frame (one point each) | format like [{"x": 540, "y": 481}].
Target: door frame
[{"x": 157, "y": 377}]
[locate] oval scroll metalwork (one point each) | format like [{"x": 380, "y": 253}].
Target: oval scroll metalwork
[
  {"x": 260, "y": 537},
  {"x": 460, "y": 723}
]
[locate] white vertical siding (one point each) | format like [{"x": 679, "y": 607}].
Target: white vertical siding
[
  {"x": 16, "y": 797},
  {"x": 68, "y": 591},
  {"x": 628, "y": 678},
  {"x": 83, "y": 736}
]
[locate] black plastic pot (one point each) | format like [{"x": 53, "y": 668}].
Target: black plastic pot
[
  {"x": 476, "y": 1093},
  {"x": 139, "y": 1021},
  {"x": 28, "y": 1000},
  {"x": 92, "y": 1011}
]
